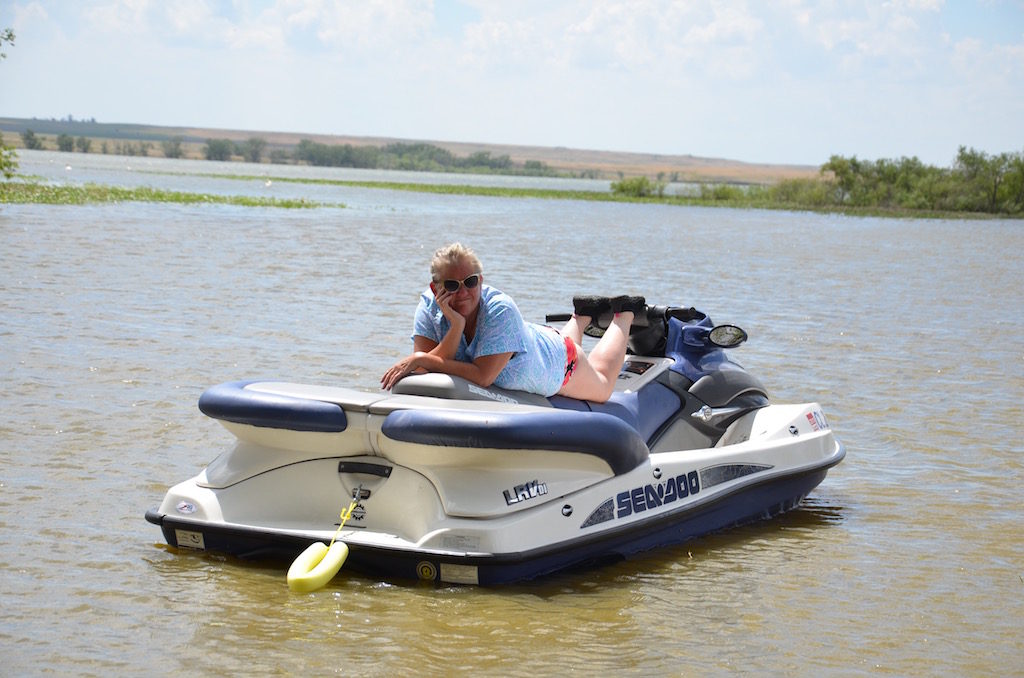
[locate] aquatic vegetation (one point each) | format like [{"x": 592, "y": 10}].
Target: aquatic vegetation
[
  {"x": 819, "y": 195},
  {"x": 813, "y": 195},
  {"x": 639, "y": 187},
  {"x": 65, "y": 194},
  {"x": 8, "y": 160},
  {"x": 443, "y": 189}
]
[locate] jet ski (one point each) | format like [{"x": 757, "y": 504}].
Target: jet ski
[{"x": 448, "y": 481}]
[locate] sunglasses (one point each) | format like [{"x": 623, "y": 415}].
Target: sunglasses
[{"x": 470, "y": 282}]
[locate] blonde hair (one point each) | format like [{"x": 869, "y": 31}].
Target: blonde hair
[{"x": 450, "y": 255}]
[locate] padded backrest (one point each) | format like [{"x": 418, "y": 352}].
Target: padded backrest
[{"x": 438, "y": 385}]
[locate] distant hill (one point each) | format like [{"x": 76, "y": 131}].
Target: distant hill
[{"x": 127, "y": 137}]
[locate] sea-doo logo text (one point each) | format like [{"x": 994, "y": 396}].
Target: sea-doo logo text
[
  {"x": 530, "y": 490},
  {"x": 493, "y": 396},
  {"x": 640, "y": 499}
]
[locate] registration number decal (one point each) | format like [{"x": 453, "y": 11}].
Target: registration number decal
[
  {"x": 187, "y": 539},
  {"x": 817, "y": 420}
]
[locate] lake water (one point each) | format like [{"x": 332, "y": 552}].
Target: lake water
[{"x": 907, "y": 560}]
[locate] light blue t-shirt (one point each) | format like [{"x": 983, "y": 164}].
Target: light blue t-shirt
[{"x": 538, "y": 361}]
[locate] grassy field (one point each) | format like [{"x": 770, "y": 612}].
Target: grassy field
[{"x": 572, "y": 162}]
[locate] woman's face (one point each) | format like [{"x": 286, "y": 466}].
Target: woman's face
[{"x": 465, "y": 300}]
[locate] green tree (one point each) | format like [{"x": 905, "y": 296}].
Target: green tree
[
  {"x": 252, "y": 149},
  {"x": 983, "y": 175},
  {"x": 31, "y": 141},
  {"x": 66, "y": 143},
  {"x": 218, "y": 149},
  {"x": 537, "y": 168},
  {"x": 843, "y": 172},
  {"x": 6, "y": 35},
  {"x": 1014, "y": 183},
  {"x": 8, "y": 159},
  {"x": 83, "y": 144},
  {"x": 172, "y": 147},
  {"x": 8, "y": 156},
  {"x": 484, "y": 160}
]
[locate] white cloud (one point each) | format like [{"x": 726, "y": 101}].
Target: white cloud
[
  {"x": 650, "y": 39},
  {"x": 923, "y": 5},
  {"x": 377, "y": 25},
  {"x": 120, "y": 16},
  {"x": 27, "y": 15},
  {"x": 500, "y": 43},
  {"x": 189, "y": 16},
  {"x": 790, "y": 80}
]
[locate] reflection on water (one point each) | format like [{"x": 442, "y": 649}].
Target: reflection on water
[{"x": 116, "y": 317}]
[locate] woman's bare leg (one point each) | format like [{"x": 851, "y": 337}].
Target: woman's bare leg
[
  {"x": 596, "y": 374},
  {"x": 574, "y": 327},
  {"x": 610, "y": 352}
]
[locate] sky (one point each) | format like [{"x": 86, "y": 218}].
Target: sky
[{"x": 763, "y": 81}]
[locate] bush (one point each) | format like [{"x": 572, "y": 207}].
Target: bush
[
  {"x": 31, "y": 141},
  {"x": 808, "y": 192},
  {"x": 172, "y": 147},
  {"x": 977, "y": 182},
  {"x": 638, "y": 187},
  {"x": 722, "y": 192},
  {"x": 218, "y": 149},
  {"x": 8, "y": 159},
  {"x": 251, "y": 149}
]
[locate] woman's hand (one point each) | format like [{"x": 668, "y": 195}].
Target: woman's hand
[
  {"x": 444, "y": 300},
  {"x": 403, "y": 367}
]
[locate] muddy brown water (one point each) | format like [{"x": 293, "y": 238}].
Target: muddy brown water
[{"x": 907, "y": 560}]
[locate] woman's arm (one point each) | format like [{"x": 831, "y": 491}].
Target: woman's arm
[
  {"x": 440, "y": 356},
  {"x": 446, "y": 348},
  {"x": 482, "y": 371}
]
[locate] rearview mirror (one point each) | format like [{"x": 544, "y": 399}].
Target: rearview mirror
[{"x": 727, "y": 336}]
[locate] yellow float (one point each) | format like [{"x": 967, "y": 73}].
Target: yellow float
[{"x": 318, "y": 564}]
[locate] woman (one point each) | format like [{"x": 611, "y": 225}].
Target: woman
[{"x": 474, "y": 331}]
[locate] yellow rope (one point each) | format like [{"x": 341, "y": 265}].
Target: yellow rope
[{"x": 345, "y": 515}]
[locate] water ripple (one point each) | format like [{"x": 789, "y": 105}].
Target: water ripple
[{"x": 907, "y": 560}]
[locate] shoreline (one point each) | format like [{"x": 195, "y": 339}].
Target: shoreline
[
  {"x": 610, "y": 165},
  {"x": 32, "y": 192}
]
